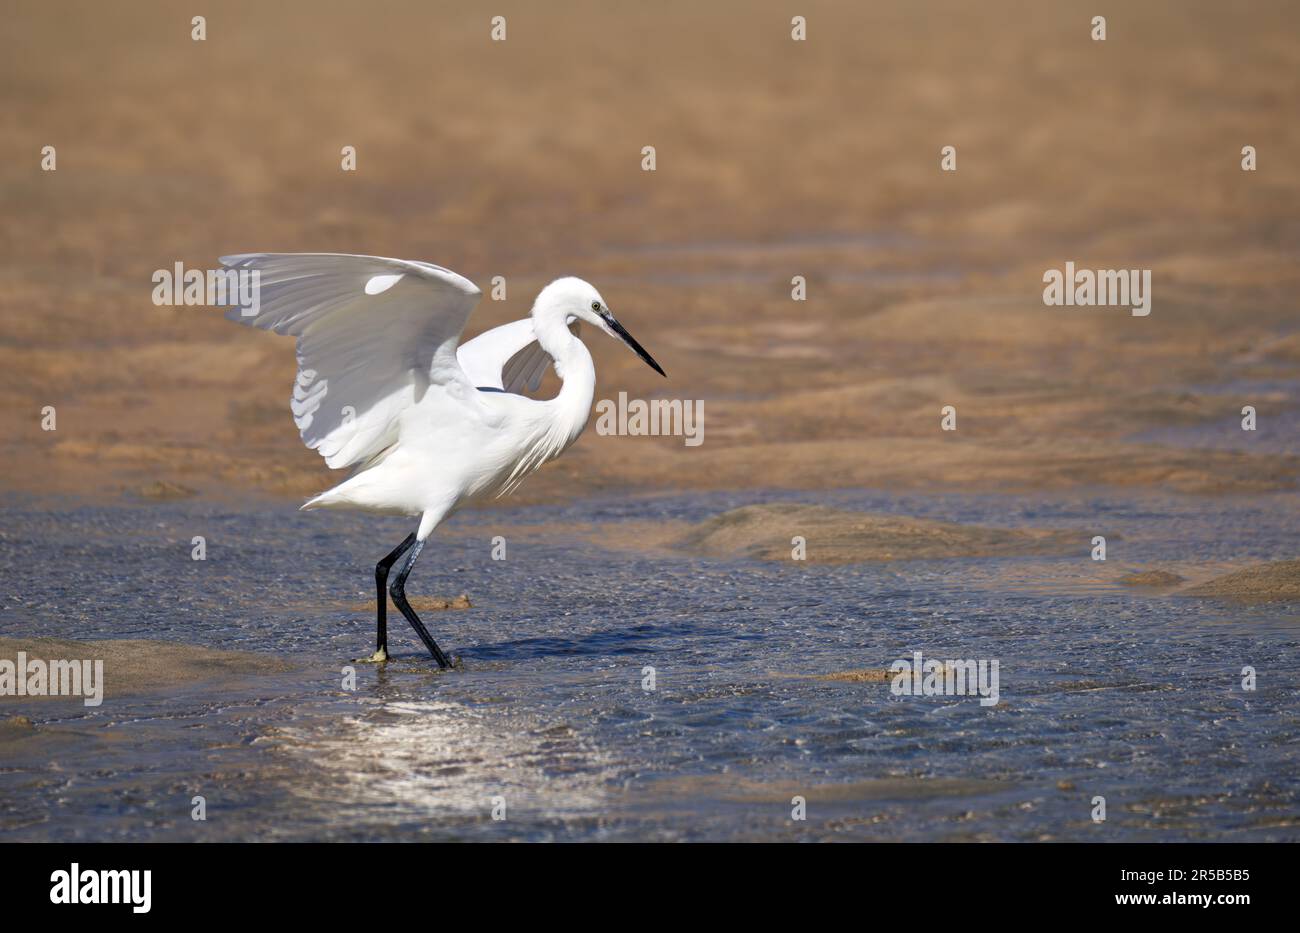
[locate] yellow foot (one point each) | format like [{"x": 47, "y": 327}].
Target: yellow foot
[{"x": 379, "y": 657}]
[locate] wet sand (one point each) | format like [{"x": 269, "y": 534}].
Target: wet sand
[
  {"x": 1153, "y": 578},
  {"x": 133, "y": 665},
  {"x": 16, "y": 729},
  {"x": 420, "y": 604},
  {"x": 768, "y": 532},
  {"x": 1276, "y": 581}
]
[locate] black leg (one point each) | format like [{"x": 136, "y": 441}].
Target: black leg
[
  {"x": 381, "y": 599},
  {"x": 398, "y": 591}
]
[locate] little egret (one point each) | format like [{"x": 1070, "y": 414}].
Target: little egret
[{"x": 424, "y": 425}]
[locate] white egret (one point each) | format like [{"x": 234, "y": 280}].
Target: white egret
[{"x": 424, "y": 425}]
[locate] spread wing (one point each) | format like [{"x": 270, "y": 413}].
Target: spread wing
[
  {"x": 508, "y": 357},
  {"x": 373, "y": 334}
]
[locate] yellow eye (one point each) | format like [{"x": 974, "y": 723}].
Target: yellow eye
[{"x": 595, "y": 306}]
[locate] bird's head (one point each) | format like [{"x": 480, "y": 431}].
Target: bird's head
[{"x": 579, "y": 300}]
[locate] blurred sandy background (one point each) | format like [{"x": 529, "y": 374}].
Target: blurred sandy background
[{"x": 775, "y": 158}]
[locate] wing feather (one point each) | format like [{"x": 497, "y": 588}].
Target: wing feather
[
  {"x": 364, "y": 355},
  {"x": 508, "y": 357}
]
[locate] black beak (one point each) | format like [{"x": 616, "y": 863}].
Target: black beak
[{"x": 628, "y": 339}]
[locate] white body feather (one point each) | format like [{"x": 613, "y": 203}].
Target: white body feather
[{"x": 384, "y": 389}]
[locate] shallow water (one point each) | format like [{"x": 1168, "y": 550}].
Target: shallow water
[
  {"x": 1276, "y": 432},
  {"x": 1134, "y": 695}
]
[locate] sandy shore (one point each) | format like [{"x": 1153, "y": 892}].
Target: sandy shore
[
  {"x": 1152, "y": 578},
  {"x": 133, "y": 666},
  {"x": 1278, "y": 581},
  {"x": 776, "y": 159},
  {"x": 833, "y": 536}
]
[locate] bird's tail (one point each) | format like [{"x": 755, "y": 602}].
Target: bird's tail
[{"x": 329, "y": 499}]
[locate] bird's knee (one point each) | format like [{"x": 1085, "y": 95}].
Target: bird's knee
[{"x": 397, "y": 591}]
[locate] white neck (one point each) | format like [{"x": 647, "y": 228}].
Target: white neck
[{"x": 572, "y": 406}]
